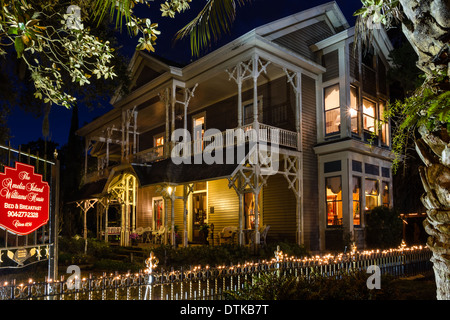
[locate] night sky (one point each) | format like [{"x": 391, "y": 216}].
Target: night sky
[{"x": 26, "y": 127}]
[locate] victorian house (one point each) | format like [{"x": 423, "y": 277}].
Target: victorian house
[{"x": 313, "y": 105}]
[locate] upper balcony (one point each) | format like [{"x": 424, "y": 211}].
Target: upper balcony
[{"x": 266, "y": 134}]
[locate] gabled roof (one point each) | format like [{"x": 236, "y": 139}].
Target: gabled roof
[
  {"x": 145, "y": 67},
  {"x": 330, "y": 11},
  {"x": 325, "y": 20}
]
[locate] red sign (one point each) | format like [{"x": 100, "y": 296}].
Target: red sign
[{"x": 24, "y": 199}]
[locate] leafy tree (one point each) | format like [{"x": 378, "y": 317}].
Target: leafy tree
[{"x": 424, "y": 116}]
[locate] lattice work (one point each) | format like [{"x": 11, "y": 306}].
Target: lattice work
[
  {"x": 118, "y": 189},
  {"x": 292, "y": 173},
  {"x": 87, "y": 204},
  {"x": 248, "y": 69}
]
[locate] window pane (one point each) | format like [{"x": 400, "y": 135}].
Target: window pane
[
  {"x": 369, "y": 108},
  {"x": 372, "y": 192},
  {"x": 384, "y": 126},
  {"x": 385, "y": 194},
  {"x": 332, "y": 97},
  {"x": 356, "y": 201},
  {"x": 334, "y": 200},
  {"x": 159, "y": 141},
  {"x": 369, "y": 115},
  {"x": 354, "y": 110},
  {"x": 332, "y": 110},
  {"x": 332, "y": 121},
  {"x": 248, "y": 113}
]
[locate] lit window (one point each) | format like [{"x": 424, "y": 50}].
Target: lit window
[
  {"x": 356, "y": 201},
  {"x": 158, "y": 144},
  {"x": 372, "y": 192},
  {"x": 354, "y": 109},
  {"x": 369, "y": 115},
  {"x": 333, "y": 189},
  {"x": 332, "y": 110},
  {"x": 385, "y": 194},
  {"x": 384, "y": 126}
]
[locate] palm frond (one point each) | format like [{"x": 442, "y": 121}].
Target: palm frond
[
  {"x": 215, "y": 19},
  {"x": 118, "y": 10}
]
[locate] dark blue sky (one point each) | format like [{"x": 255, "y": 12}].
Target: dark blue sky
[{"x": 26, "y": 127}]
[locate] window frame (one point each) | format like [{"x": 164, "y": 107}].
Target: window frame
[
  {"x": 375, "y": 196},
  {"x": 374, "y": 117},
  {"x": 385, "y": 127},
  {"x": 358, "y": 201},
  {"x": 357, "y": 109},
  {"x": 334, "y": 204},
  {"x": 325, "y": 111},
  {"x": 383, "y": 203}
]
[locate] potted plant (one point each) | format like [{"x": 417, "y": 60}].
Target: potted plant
[{"x": 134, "y": 238}]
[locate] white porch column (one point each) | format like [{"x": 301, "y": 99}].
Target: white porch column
[
  {"x": 166, "y": 218},
  {"x": 239, "y": 84},
  {"x": 256, "y": 191},
  {"x": 185, "y": 232},
  {"x": 106, "y": 221},
  {"x": 172, "y": 217},
  {"x": 122, "y": 145},
  {"x": 255, "y": 75},
  {"x": 344, "y": 91},
  {"x": 164, "y": 96},
  {"x": 135, "y": 114},
  {"x": 241, "y": 213}
]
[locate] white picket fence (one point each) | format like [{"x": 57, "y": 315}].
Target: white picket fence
[{"x": 205, "y": 283}]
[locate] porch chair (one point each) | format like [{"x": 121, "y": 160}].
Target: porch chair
[
  {"x": 147, "y": 235},
  {"x": 227, "y": 235},
  {"x": 157, "y": 235},
  {"x": 263, "y": 230},
  {"x": 139, "y": 231}
]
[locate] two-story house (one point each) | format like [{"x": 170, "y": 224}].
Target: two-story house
[{"x": 311, "y": 103}]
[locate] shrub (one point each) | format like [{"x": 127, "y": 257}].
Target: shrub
[
  {"x": 383, "y": 228},
  {"x": 110, "y": 265},
  {"x": 347, "y": 286}
]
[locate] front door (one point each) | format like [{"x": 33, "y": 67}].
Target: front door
[{"x": 198, "y": 214}]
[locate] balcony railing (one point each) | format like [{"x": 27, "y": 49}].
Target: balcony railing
[
  {"x": 266, "y": 133},
  {"x": 150, "y": 155},
  {"x": 229, "y": 138}
]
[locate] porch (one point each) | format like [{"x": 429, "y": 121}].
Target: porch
[{"x": 142, "y": 204}]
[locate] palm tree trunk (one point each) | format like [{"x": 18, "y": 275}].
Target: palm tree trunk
[
  {"x": 435, "y": 153},
  {"x": 426, "y": 25}
]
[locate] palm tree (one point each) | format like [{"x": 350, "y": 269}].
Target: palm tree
[
  {"x": 213, "y": 20},
  {"x": 425, "y": 114}
]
